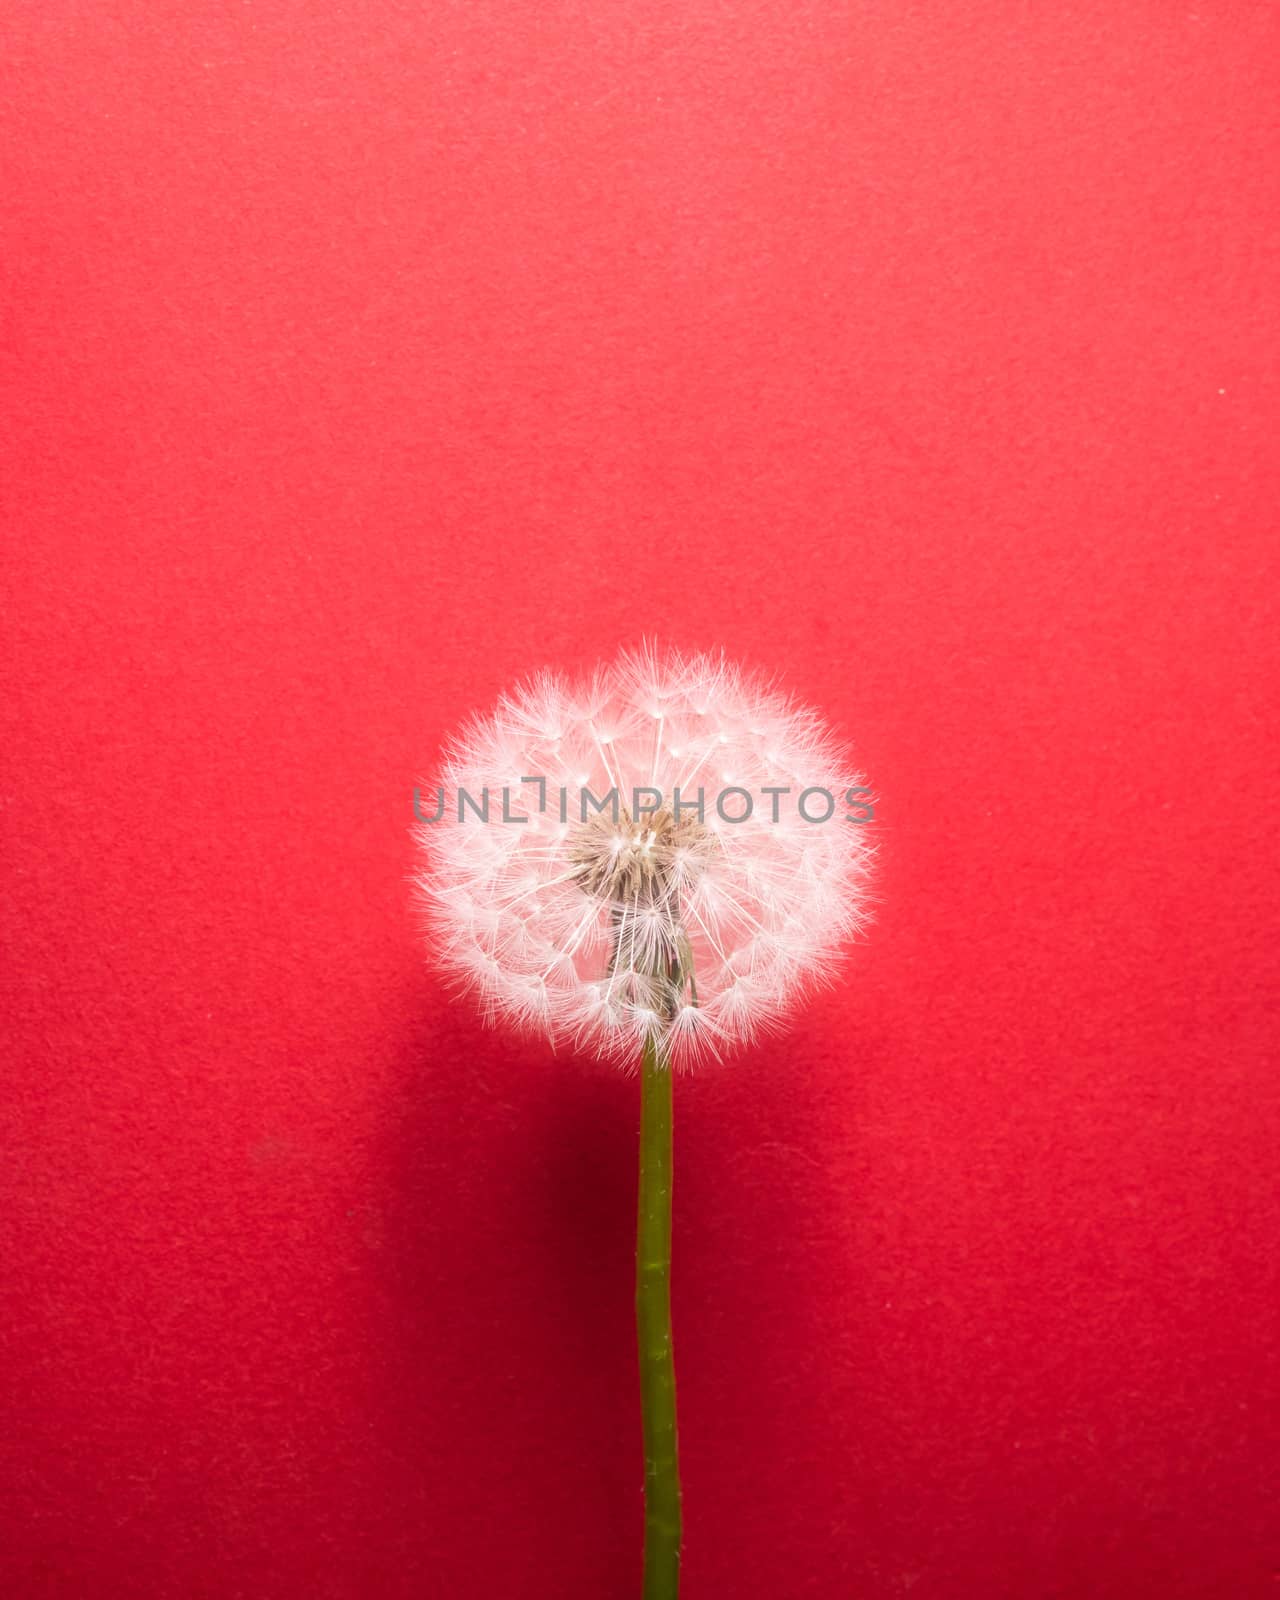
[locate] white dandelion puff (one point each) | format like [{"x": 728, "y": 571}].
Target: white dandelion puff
[{"x": 677, "y": 869}]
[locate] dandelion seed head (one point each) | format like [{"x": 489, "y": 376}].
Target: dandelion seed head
[{"x": 644, "y": 921}]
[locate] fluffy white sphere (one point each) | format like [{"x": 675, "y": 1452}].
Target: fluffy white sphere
[{"x": 660, "y": 916}]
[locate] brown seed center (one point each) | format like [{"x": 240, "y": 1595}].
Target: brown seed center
[{"x": 632, "y": 859}]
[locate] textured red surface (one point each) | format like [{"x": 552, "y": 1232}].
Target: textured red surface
[{"x": 361, "y": 357}]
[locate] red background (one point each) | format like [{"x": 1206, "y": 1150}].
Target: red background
[{"x": 362, "y": 357}]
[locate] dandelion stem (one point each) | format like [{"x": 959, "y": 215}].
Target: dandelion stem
[{"x": 653, "y": 1329}]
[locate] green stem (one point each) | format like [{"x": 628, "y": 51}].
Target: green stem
[{"x": 653, "y": 1328}]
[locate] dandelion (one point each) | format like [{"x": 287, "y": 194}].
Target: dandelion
[
  {"x": 653, "y": 865},
  {"x": 694, "y": 907}
]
